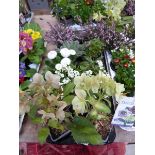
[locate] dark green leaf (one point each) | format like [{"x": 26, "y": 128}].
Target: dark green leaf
[
  {"x": 30, "y": 72},
  {"x": 83, "y": 131},
  {"x": 25, "y": 85}
]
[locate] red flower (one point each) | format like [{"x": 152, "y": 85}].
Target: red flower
[
  {"x": 89, "y": 2},
  {"x": 126, "y": 57},
  {"x": 116, "y": 61},
  {"x": 126, "y": 65},
  {"x": 21, "y": 80}
]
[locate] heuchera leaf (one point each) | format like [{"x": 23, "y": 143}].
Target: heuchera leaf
[
  {"x": 42, "y": 135},
  {"x": 83, "y": 131}
]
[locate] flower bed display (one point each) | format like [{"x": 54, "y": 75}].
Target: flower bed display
[{"x": 73, "y": 98}]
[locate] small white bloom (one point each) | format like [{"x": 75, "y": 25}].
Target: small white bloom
[
  {"x": 72, "y": 52},
  {"x": 66, "y": 80},
  {"x": 52, "y": 55},
  {"x": 62, "y": 75},
  {"x": 76, "y": 73},
  {"x": 33, "y": 66},
  {"x": 58, "y": 66},
  {"x": 65, "y": 52},
  {"x": 65, "y": 62}
]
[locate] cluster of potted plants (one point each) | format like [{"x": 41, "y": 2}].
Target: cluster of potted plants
[
  {"x": 31, "y": 50},
  {"x": 71, "y": 98}
]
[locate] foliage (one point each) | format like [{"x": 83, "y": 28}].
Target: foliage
[
  {"x": 94, "y": 49},
  {"x": 68, "y": 63},
  {"x": 59, "y": 33},
  {"x": 129, "y": 9},
  {"x": 35, "y": 56},
  {"x": 124, "y": 62},
  {"x": 83, "y": 131},
  {"x": 42, "y": 135},
  {"x": 114, "y": 8},
  {"x": 80, "y": 10},
  {"x": 44, "y": 103},
  {"x": 113, "y": 36}
]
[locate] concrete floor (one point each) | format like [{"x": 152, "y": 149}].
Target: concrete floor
[{"x": 130, "y": 149}]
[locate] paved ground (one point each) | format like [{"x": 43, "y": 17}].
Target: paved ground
[{"x": 130, "y": 149}]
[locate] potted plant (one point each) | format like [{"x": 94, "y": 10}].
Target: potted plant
[
  {"x": 31, "y": 47},
  {"x": 91, "y": 107},
  {"x": 84, "y": 97},
  {"x": 84, "y": 11},
  {"x": 123, "y": 63}
]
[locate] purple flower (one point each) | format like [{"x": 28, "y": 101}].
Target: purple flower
[
  {"x": 22, "y": 73},
  {"x": 22, "y": 65}
]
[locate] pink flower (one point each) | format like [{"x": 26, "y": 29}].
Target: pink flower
[{"x": 25, "y": 42}]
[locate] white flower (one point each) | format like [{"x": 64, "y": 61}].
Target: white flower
[
  {"x": 71, "y": 73},
  {"x": 52, "y": 55},
  {"x": 65, "y": 62},
  {"x": 72, "y": 52},
  {"x": 66, "y": 80},
  {"x": 58, "y": 66},
  {"x": 33, "y": 66},
  {"x": 62, "y": 75},
  {"x": 65, "y": 52},
  {"x": 76, "y": 73}
]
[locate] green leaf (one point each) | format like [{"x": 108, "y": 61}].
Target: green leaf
[
  {"x": 68, "y": 88},
  {"x": 83, "y": 131},
  {"x": 33, "y": 26},
  {"x": 37, "y": 120},
  {"x": 30, "y": 72},
  {"x": 102, "y": 107},
  {"x": 55, "y": 124},
  {"x": 25, "y": 85},
  {"x": 68, "y": 99},
  {"x": 34, "y": 58},
  {"x": 33, "y": 111},
  {"x": 42, "y": 135}
]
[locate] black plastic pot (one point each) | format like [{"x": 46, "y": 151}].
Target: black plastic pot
[{"x": 66, "y": 138}]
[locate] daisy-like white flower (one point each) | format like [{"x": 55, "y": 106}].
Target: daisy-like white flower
[
  {"x": 65, "y": 62},
  {"x": 65, "y": 52},
  {"x": 72, "y": 52},
  {"x": 52, "y": 55},
  {"x": 58, "y": 66}
]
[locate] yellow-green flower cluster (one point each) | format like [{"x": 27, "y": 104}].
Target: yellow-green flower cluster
[
  {"x": 92, "y": 90},
  {"x": 34, "y": 34}
]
